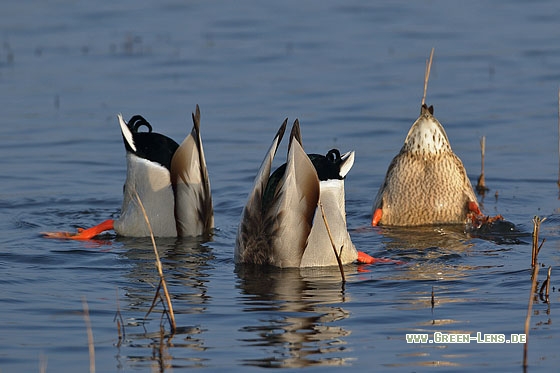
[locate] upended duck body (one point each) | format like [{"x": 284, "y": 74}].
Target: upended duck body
[
  {"x": 171, "y": 181},
  {"x": 426, "y": 183},
  {"x": 281, "y": 224}
]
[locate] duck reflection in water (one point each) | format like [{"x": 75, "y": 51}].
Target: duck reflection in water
[
  {"x": 430, "y": 252},
  {"x": 295, "y": 308},
  {"x": 436, "y": 252},
  {"x": 186, "y": 264}
]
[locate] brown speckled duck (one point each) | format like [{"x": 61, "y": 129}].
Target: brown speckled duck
[{"x": 426, "y": 183}]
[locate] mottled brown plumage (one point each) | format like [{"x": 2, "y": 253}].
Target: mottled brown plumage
[{"x": 426, "y": 183}]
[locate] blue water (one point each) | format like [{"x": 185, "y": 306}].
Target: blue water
[{"x": 352, "y": 72}]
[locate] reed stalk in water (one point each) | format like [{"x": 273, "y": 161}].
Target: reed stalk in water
[
  {"x": 481, "y": 184},
  {"x": 529, "y": 310},
  {"x": 433, "y": 302},
  {"x": 535, "y": 273},
  {"x": 545, "y": 287},
  {"x": 433, "y": 299},
  {"x": 163, "y": 283},
  {"x": 91, "y": 345},
  {"x": 43, "y": 363},
  {"x": 427, "y": 75},
  {"x": 332, "y": 243},
  {"x": 120, "y": 322},
  {"x": 536, "y": 247}
]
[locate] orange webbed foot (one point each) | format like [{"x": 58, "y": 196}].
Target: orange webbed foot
[
  {"x": 82, "y": 234},
  {"x": 473, "y": 208},
  {"x": 377, "y": 215},
  {"x": 477, "y": 219},
  {"x": 364, "y": 258}
]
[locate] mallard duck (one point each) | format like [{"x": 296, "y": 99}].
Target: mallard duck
[
  {"x": 171, "y": 181},
  {"x": 426, "y": 183},
  {"x": 281, "y": 224}
]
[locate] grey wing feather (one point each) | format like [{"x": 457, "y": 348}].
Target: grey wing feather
[
  {"x": 295, "y": 207},
  {"x": 193, "y": 198},
  {"x": 252, "y": 243}
]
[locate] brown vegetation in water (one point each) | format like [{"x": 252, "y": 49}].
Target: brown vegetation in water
[{"x": 536, "y": 247}]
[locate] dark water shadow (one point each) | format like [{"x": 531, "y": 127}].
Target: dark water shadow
[
  {"x": 441, "y": 252},
  {"x": 500, "y": 231},
  {"x": 294, "y": 311}
]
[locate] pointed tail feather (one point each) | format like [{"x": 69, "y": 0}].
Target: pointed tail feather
[
  {"x": 252, "y": 240},
  {"x": 191, "y": 184},
  {"x": 295, "y": 205}
]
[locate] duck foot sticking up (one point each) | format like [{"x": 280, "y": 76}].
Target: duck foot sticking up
[
  {"x": 426, "y": 183},
  {"x": 170, "y": 180},
  {"x": 281, "y": 224}
]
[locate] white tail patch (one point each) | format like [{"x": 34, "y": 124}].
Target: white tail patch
[
  {"x": 347, "y": 163},
  {"x": 126, "y": 132}
]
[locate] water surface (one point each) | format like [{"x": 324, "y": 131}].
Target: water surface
[{"x": 352, "y": 73}]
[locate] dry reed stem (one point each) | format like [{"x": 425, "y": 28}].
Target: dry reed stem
[
  {"x": 536, "y": 247},
  {"x": 120, "y": 322},
  {"x": 157, "y": 296},
  {"x": 332, "y": 243},
  {"x": 43, "y": 363},
  {"x": 547, "y": 289},
  {"x": 165, "y": 313},
  {"x": 534, "y": 264},
  {"x": 433, "y": 298},
  {"x": 529, "y": 310},
  {"x": 159, "y": 268},
  {"x": 433, "y": 302},
  {"x": 481, "y": 184},
  {"x": 91, "y": 346},
  {"x": 427, "y": 76},
  {"x": 164, "y": 359},
  {"x": 544, "y": 292}
]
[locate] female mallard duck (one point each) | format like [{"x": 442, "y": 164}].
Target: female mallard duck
[
  {"x": 426, "y": 183},
  {"x": 281, "y": 224},
  {"x": 171, "y": 181}
]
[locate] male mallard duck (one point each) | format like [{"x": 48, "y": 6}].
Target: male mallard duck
[
  {"x": 171, "y": 181},
  {"x": 426, "y": 183},
  {"x": 281, "y": 224}
]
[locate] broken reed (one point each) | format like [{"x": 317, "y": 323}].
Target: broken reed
[
  {"x": 91, "y": 346},
  {"x": 535, "y": 273},
  {"x": 529, "y": 310},
  {"x": 481, "y": 184},
  {"x": 162, "y": 282},
  {"x": 433, "y": 299},
  {"x": 536, "y": 247},
  {"x": 545, "y": 287},
  {"x": 120, "y": 322}
]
